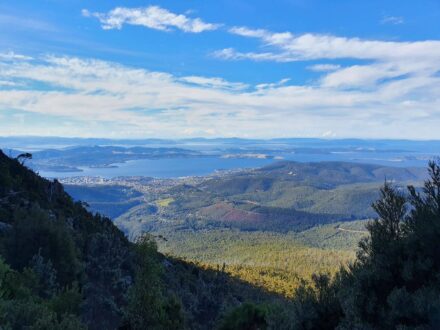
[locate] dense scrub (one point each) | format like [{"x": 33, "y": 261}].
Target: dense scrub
[
  {"x": 64, "y": 265},
  {"x": 395, "y": 280}
]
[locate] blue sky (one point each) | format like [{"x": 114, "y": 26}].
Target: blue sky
[{"x": 367, "y": 69}]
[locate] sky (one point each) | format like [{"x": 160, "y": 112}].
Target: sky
[{"x": 224, "y": 68}]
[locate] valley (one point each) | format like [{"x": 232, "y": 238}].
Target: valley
[
  {"x": 272, "y": 227},
  {"x": 276, "y": 262}
]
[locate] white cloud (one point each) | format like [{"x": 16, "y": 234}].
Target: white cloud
[
  {"x": 105, "y": 98},
  {"x": 246, "y": 32},
  {"x": 11, "y": 56},
  {"x": 394, "y": 20},
  {"x": 328, "y": 134},
  {"x": 232, "y": 54},
  {"x": 153, "y": 17},
  {"x": 272, "y": 85},
  {"x": 392, "y": 90},
  {"x": 214, "y": 83},
  {"x": 7, "y": 83},
  {"x": 290, "y": 47},
  {"x": 379, "y": 63},
  {"x": 324, "y": 67},
  {"x": 364, "y": 76}
]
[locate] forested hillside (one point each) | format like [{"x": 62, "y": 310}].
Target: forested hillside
[
  {"x": 283, "y": 197},
  {"x": 273, "y": 261},
  {"x": 63, "y": 268}
]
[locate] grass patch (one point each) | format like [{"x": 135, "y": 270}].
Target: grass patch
[{"x": 164, "y": 202}]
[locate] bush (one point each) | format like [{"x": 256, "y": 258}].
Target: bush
[
  {"x": 246, "y": 317},
  {"x": 395, "y": 280}
]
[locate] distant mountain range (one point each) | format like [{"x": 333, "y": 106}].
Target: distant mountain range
[
  {"x": 38, "y": 142},
  {"x": 70, "y": 158},
  {"x": 68, "y": 154}
]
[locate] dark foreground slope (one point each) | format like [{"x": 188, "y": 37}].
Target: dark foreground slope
[
  {"x": 80, "y": 264},
  {"x": 62, "y": 267}
]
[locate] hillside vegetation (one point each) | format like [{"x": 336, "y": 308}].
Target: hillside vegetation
[
  {"x": 62, "y": 267},
  {"x": 272, "y": 227},
  {"x": 274, "y": 261},
  {"x": 394, "y": 282}
]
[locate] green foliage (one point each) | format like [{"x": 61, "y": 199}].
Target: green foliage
[
  {"x": 67, "y": 301},
  {"x": 23, "y": 157},
  {"x": 207, "y": 295},
  {"x": 63, "y": 267},
  {"x": 22, "y": 307},
  {"x": 148, "y": 308},
  {"x": 394, "y": 282},
  {"x": 69, "y": 269},
  {"x": 34, "y": 232},
  {"x": 316, "y": 306},
  {"x": 246, "y": 317},
  {"x": 45, "y": 276},
  {"x": 274, "y": 261}
]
